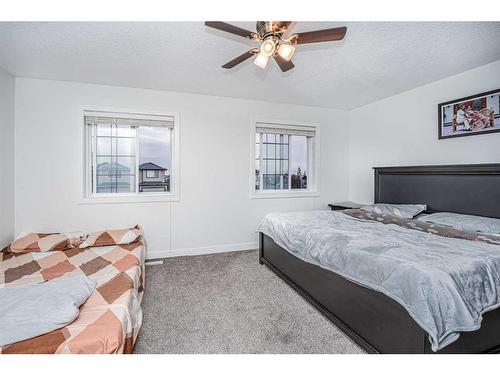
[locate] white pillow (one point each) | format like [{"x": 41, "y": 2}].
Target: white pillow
[
  {"x": 404, "y": 211},
  {"x": 469, "y": 223}
]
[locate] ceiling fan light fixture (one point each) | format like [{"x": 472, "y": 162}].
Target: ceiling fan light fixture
[
  {"x": 261, "y": 60},
  {"x": 286, "y": 51},
  {"x": 268, "y": 47},
  {"x": 274, "y": 43}
]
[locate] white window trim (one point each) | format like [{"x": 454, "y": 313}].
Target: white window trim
[
  {"x": 86, "y": 195},
  {"x": 312, "y": 159}
]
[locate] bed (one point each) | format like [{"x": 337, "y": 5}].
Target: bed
[
  {"x": 109, "y": 321},
  {"x": 373, "y": 319}
]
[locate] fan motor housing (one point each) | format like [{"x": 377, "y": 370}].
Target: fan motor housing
[
  {"x": 269, "y": 28},
  {"x": 264, "y": 28}
]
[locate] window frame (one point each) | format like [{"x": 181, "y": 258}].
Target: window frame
[
  {"x": 89, "y": 197},
  {"x": 313, "y": 150}
]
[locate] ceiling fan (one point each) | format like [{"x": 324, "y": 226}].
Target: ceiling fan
[{"x": 271, "y": 35}]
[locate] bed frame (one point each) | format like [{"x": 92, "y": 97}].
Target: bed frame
[{"x": 374, "y": 321}]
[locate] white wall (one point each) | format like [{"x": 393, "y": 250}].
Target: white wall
[
  {"x": 6, "y": 158},
  {"x": 213, "y": 214},
  {"x": 402, "y": 130}
]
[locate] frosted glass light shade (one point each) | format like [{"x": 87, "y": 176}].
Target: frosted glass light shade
[
  {"x": 286, "y": 51},
  {"x": 267, "y": 47},
  {"x": 261, "y": 60}
]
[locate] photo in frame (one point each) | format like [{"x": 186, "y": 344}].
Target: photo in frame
[{"x": 472, "y": 115}]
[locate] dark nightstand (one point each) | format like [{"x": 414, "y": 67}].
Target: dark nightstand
[{"x": 344, "y": 206}]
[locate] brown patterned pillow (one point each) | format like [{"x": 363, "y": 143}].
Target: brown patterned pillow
[
  {"x": 41, "y": 242},
  {"x": 112, "y": 237}
]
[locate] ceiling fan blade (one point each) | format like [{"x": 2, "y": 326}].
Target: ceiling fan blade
[
  {"x": 327, "y": 35},
  {"x": 228, "y": 28},
  {"x": 240, "y": 58},
  {"x": 284, "y": 65}
]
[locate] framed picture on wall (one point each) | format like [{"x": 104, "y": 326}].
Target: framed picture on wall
[{"x": 472, "y": 115}]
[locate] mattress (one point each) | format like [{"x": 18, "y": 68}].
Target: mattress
[{"x": 110, "y": 320}]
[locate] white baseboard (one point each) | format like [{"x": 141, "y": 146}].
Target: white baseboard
[{"x": 201, "y": 250}]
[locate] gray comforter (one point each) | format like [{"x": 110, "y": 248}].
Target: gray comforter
[
  {"x": 31, "y": 310},
  {"x": 445, "y": 284}
]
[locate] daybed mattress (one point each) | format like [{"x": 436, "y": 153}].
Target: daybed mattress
[{"x": 109, "y": 321}]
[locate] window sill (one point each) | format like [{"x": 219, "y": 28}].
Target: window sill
[
  {"x": 146, "y": 198},
  {"x": 283, "y": 194}
]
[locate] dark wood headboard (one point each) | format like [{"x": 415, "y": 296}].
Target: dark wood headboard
[{"x": 468, "y": 189}]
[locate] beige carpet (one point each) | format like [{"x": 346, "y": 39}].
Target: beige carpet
[{"x": 229, "y": 303}]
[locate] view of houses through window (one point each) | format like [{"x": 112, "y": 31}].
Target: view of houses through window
[
  {"x": 280, "y": 161},
  {"x": 155, "y": 158},
  {"x": 130, "y": 158}
]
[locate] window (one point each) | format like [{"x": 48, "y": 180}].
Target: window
[
  {"x": 129, "y": 154},
  {"x": 152, "y": 174},
  {"x": 284, "y": 159}
]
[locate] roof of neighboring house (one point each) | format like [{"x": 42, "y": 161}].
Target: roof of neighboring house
[
  {"x": 151, "y": 166},
  {"x": 112, "y": 167}
]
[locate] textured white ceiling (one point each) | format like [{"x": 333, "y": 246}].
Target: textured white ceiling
[{"x": 375, "y": 60}]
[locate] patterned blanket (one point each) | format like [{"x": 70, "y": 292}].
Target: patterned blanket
[{"x": 109, "y": 321}]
